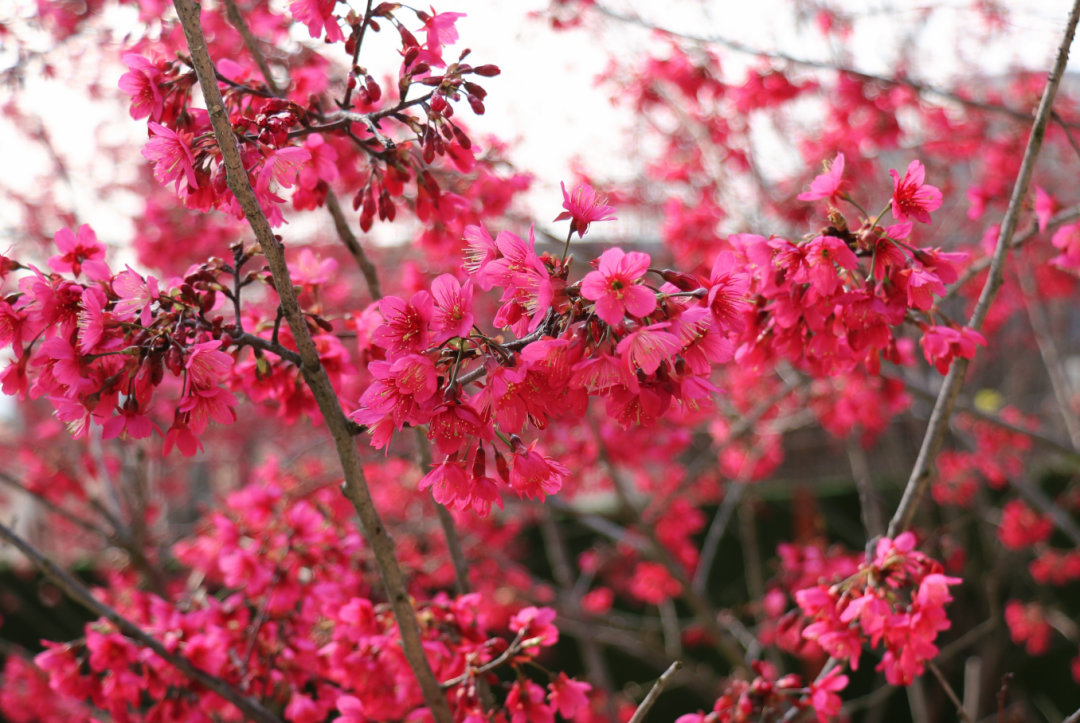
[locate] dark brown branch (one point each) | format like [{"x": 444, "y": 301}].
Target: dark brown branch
[
  {"x": 252, "y": 45},
  {"x": 344, "y": 232},
  {"x": 950, "y": 389},
  {"x": 77, "y": 591},
  {"x": 960, "y": 710},
  {"x": 355, "y": 486}
]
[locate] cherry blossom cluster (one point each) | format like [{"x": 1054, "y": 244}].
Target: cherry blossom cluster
[
  {"x": 290, "y": 618},
  {"x": 99, "y": 348},
  {"x": 896, "y": 600},
  {"x": 639, "y": 346}
]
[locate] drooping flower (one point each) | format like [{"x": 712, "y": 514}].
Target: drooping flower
[
  {"x": 823, "y": 695},
  {"x": 534, "y": 475},
  {"x": 912, "y": 197},
  {"x": 480, "y": 252},
  {"x": 207, "y": 366},
  {"x": 648, "y": 347},
  {"x": 727, "y": 293},
  {"x": 942, "y": 343},
  {"x": 823, "y": 255},
  {"x": 829, "y": 184},
  {"x": 171, "y": 155},
  {"x": 449, "y": 483},
  {"x": 614, "y": 288},
  {"x": 440, "y": 30},
  {"x": 181, "y": 437},
  {"x": 568, "y": 695},
  {"x": 282, "y": 167},
  {"x": 583, "y": 207}
]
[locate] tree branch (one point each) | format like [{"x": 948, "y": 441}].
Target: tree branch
[
  {"x": 344, "y": 232},
  {"x": 252, "y": 45},
  {"x": 643, "y": 709},
  {"x": 950, "y": 390},
  {"x": 1044, "y": 338},
  {"x": 555, "y": 546},
  {"x": 740, "y": 47},
  {"x": 355, "y": 486}
]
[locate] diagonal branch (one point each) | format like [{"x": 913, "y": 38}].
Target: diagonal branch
[
  {"x": 252, "y": 45},
  {"x": 355, "y": 485},
  {"x": 1059, "y": 382},
  {"x": 950, "y": 389},
  {"x": 740, "y": 47},
  {"x": 76, "y": 590},
  {"x": 643, "y": 709},
  {"x": 341, "y": 225}
]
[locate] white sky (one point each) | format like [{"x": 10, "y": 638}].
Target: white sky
[{"x": 546, "y": 102}]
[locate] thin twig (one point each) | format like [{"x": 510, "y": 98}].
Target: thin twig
[
  {"x": 1044, "y": 339},
  {"x": 557, "y": 554},
  {"x": 1060, "y": 218},
  {"x": 252, "y": 45},
  {"x": 513, "y": 649},
  {"x": 57, "y": 509},
  {"x": 643, "y": 709},
  {"x": 1068, "y": 133},
  {"x": 960, "y": 711},
  {"x": 868, "y": 503},
  {"x": 950, "y": 389},
  {"x": 355, "y": 486},
  {"x": 997, "y": 421},
  {"x": 78, "y": 592},
  {"x": 716, "y": 531},
  {"x": 344, "y": 232},
  {"x": 741, "y": 47}
]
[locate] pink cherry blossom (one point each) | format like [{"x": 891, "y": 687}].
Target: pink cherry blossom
[
  {"x": 583, "y": 207},
  {"x": 614, "y": 286},
  {"x": 912, "y": 197},
  {"x": 170, "y": 152}
]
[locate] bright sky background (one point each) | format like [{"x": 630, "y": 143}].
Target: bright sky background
[{"x": 546, "y": 102}]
